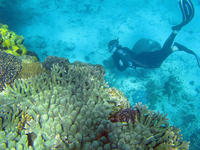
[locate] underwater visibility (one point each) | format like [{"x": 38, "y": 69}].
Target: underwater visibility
[{"x": 99, "y": 75}]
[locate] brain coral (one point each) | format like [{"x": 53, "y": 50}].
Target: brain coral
[{"x": 71, "y": 109}]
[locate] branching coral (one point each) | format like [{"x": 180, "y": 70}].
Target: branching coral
[{"x": 72, "y": 108}]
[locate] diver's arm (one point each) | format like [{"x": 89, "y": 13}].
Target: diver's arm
[{"x": 122, "y": 58}]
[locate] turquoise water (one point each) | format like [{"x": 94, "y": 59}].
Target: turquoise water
[{"x": 81, "y": 30}]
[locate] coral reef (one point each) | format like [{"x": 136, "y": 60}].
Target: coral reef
[
  {"x": 10, "y": 67},
  {"x": 71, "y": 107},
  {"x": 10, "y": 42}
]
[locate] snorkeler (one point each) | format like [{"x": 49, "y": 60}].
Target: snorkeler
[{"x": 148, "y": 53}]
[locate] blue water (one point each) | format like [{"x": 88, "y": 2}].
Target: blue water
[{"x": 81, "y": 30}]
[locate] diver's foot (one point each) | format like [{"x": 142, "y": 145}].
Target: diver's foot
[
  {"x": 179, "y": 47},
  {"x": 175, "y": 48}
]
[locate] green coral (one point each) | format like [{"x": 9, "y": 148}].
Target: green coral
[
  {"x": 10, "y": 42},
  {"x": 70, "y": 109}
]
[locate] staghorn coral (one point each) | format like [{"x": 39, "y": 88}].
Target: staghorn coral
[
  {"x": 10, "y": 42},
  {"x": 71, "y": 109},
  {"x": 10, "y": 67}
]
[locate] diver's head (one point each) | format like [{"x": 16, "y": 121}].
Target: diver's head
[{"x": 113, "y": 45}]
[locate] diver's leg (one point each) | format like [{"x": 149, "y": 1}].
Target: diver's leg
[
  {"x": 168, "y": 43},
  {"x": 179, "y": 47}
]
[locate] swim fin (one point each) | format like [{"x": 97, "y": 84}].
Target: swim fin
[
  {"x": 187, "y": 10},
  {"x": 185, "y": 49}
]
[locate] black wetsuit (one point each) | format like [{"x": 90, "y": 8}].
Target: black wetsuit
[
  {"x": 124, "y": 57},
  {"x": 155, "y": 59}
]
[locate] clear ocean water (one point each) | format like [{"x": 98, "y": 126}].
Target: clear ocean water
[{"x": 80, "y": 30}]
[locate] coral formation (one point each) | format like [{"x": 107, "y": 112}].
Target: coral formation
[
  {"x": 124, "y": 115},
  {"x": 147, "y": 129},
  {"x": 71, "y": 107},
  {"x": 118, "y": 97},
  {"x": 10, "y": 67},
  {"x": 10, "y": 42},
  {"x": 31, "y": 69},
  {"x": 10, "y": 118},
  {"x": 53, "y": 60}
]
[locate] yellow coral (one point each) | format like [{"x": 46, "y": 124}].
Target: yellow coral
[
  {"x": 9, "y": 51},
  {"x": 23, "y": 49},
  {"x": 15, "y": 47},
  {"x": 3, "y": 32},
  {"x": 6, "y": 44},
  {"x": 11, "y": 42}
]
